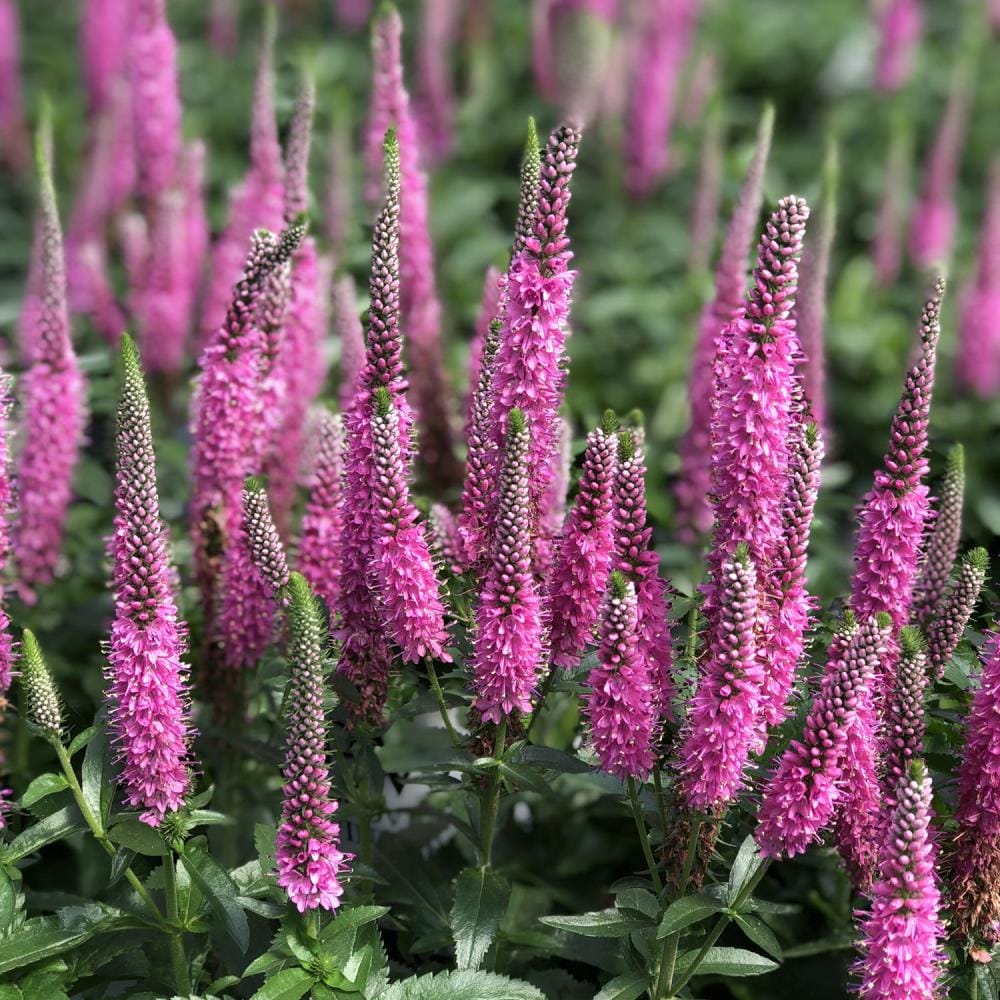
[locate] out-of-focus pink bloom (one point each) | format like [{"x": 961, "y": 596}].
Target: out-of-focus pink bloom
[
  {"x": 156, "y": 102},
  {"x": 552, "y": 511},
  {"x": 445, "y": 538},
  {"x": 978, "y": 361},
  {"x": 579, "y": 580},
  {"x": 489, "y": 311},
  {"x": 13, "y": 132},
  {"x": 708, "y": 193},
  {"x": 352, "y": 14},
  {"x": 307, "y": 847},
  {"x": 421, "y": 309},
  {"x": 693, "y": 489},
  {"x": 932, "y": 227},
  {"x": 660, "y": 47},
  {"x": 337, "y": 190},
  {"x": 899, "y": 24},
  {"x": 621, "y": 706},
  {"x": 509, "y": 631},
  {"x": 887, "y": 248},
  {"x": 147, "y": 682},
  {"x": 701, "y": 86},
  {"x": 803, "y": 791},
  {"x": 435, "y": 88},
  {"x": 722, "y": 718},
  {"x": 347, "y": 324},
  {"x": 901, "y": 937},
  {"x": 6, "y": 510},
  {"x": 54, "y": 407},
  {"x": 103, "y": 46},
  {"x": 224, "y": 26}
]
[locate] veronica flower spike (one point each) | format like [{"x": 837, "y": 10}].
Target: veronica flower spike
[{"x": 147, "y": 680}]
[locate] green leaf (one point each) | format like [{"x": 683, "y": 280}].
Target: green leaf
[
  {"x": 265, "y": 963},
  {"x": 44, "y": 784},
  {"x": 56, "y": 826},
  {"x": 99, "y": 776},
  {"x": 481, "y": 896},
  {"x": 208, "y": 817},
  {"x": 82, "y": 739},
  {"x": 350, "y": 917},
  {"x": 630, "y": 986},
  {"x": 461, "y": 985},
  {"x": 745, "y": 866},
  {"x": 137, "y": 836},
  {"x": 727, "y": 962},
  {"x": 552, "y": 760},
  {"x": 288, "y": 985},
  {"x": 760, "y": 934},
  {"x": 640, "y": 900},
  {"x": 8, "y": 900},
  {"x": 600, "y": 924},
  {"x": 39, "y": 938},
  {"x": 525, "y": 778},
  {"x": 122, "y": 859},
  {"x": 687, "y": 911},
  {"x": 220, "y": 891}
]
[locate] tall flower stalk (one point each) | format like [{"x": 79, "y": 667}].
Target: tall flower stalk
[
  {"x": 899, "y": 24},
  {"x": 905, "y": 721},
  {"x": 948, "y": 622},
  {"x": 147, "y": 680}
]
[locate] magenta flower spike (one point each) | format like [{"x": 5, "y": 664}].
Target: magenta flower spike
[
  {"x": 365, "y": 654},
  {"x": 226, "y": 411},
  {"x": 552, "y": 510},
  {"x": 660, "y": 48},
  {"x": 708, "y": 192},
  {"x": 14, "y": 143},
  {"x": 263, "y": 541},
  {"x": 901, "y": 937},
  {"x": 899, "y": 24},
  {"x": 721, "y": 723},
  {"x": 694, "y": 488},
  {"x": 309, "y": 860},
  {"x": 947, "y": 623},
  {"x": 975, "y": 864},
  {"x": 347, "y": 324},
  {"x": 528, "y": 374},
  {"x": 7, "y": 506},
  {"x": 489, "y": 311},
  {"x": 621, "y": 703},
  {"x": 156, "y": 103},
  {"x": 579, "y": 580},
  {"x": 408, "y": 587},
  {"x": 978, "y": 361},
  {"x": 435, "y": 89},
  {"x": 419, "y": 303},
  {"x": 932, "y": 226},
  {"x": 103, "y": 45},
  {"x": 904, "y": 722},
  {"x": 801, "y": 795},
  {"x": 894, "y": 512},
  {"x": 810, "y": 310},
  {"x": 509, "y": 640},
  {"x": 54, "y": 407},
  {"x": 337, "y": 192},
  {"x": 446, "y": 538},
  {"x": 147, "y": 681},
  {"x": 258, "y": 202},
  {"x": 641, "y": 565},
  {"x": 794, "y": 605},
  {"x": 940, "y": 546}
]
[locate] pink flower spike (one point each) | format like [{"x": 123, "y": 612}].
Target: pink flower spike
[
  {"x": 408, "y": 588},
  {"x": 308, "y": 856},
  {"x": 436, "y": 90},
  {"x": 721, "y": 722},
  {"x": 347, "y": 325},
  {"x": 509, "y": 631},
  {"x": 552, "y": 509},
  {"x": 103, "y": 46},
  {"x": 899, "y": 25},
  {"x": 147, "y": 682},
  {"x": 446, "y": 539},
  {"x": 6, "y": 510},
  {"x": 54, "y": 409},
  {"x": 887, "y": 249},
  {"x": 947, "y": 624},
  {"x": 901, "y": 937},
  {"x": 352, "y": 14},
  {"x": 904, "y": 722},
  {"x": 264, "y": 543},
  {"x": 579, "y": 579},
  {"x": 13, "y": 132},
  {"x": 621, "y": 708}
]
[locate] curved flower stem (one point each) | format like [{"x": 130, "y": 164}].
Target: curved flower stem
[
  {"x": 456, "y": 740},
  {"x": 178, "y": 960},
  {"x": 668, "y": 956},
  {"x": 719, "y": 927},
  {"x": 101, "y": 837},
  {"x": 491, "y": 805},
  {"x": 640, "y": 826}
]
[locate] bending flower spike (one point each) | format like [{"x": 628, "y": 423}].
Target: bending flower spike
[
  {"x": 147, "y": 681},
  {"x": 509, "y": 630},
  {"x": 901, "y": 938},
  {"x": 310, "y": 862},
  {"x": 721, "y": 723},
  {"x": 947, "y": 626},
  {"x": 264, "y": 543},
  {"x": 579, "y": 578},
  {"x": 41, "y": 702},
  {"x": 621, "y": 706}
]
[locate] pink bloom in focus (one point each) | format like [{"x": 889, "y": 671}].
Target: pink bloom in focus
[
  {"x": 621, "y": 707},
  {"x": 579, "y": 578},
  {"x": 904, "y": 722},
  {"x": 509, "y": 629},
  {"x": 901, "y": 937},
  {"x": 899, "y": 26},
  {"x": 147, "y": 682}
]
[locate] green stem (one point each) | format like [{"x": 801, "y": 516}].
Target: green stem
[
  {"x": 660, "y": 798},
  {"x": 442, "y": 707},
  {"x": 550, "y": 679},
  {"x": 640, "y": 826},
  {"x": 100, "y": 836},
  {"x": 178, "y": 960},
  {"x": 668, "y": 956},
  {"x": 491, "y": 806},
  {"x": 720, "y": 926}
]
